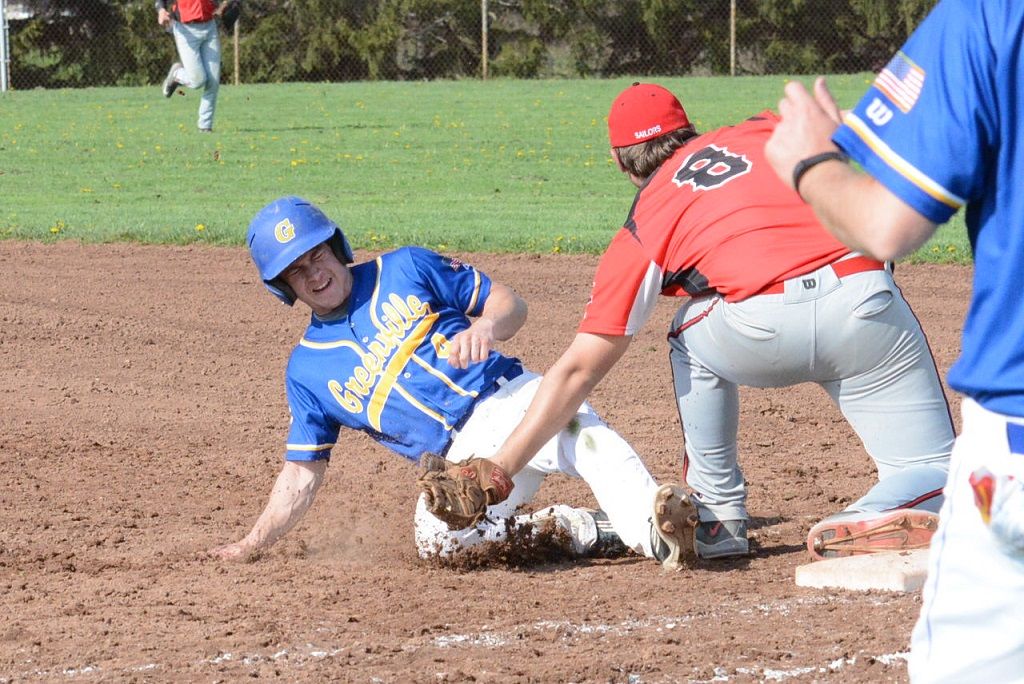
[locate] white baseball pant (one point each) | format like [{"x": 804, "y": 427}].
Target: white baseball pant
[
  {"x": 971, "y": 627},
  {"x": 586, "y": 449}
]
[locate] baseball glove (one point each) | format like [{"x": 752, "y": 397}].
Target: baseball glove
[
  {"x": 458, "y": 494},
  {"x": 228, "y": 18}
]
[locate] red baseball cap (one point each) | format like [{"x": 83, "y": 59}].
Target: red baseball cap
[{"x": 644, "y": 111}]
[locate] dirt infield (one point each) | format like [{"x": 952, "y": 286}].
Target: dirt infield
[{"x": 144, "y": 421}]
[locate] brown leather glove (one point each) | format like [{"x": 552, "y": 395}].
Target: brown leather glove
[{"x": 459, "y": 493}]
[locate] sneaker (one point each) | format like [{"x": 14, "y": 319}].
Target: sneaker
[
  {"x": 722, "y": 539},
  {"x": 591, "y": 531},
  {"x": 609, "y": 544},
  {"x": 672, "y": 527},
  {"x": 852, "y": 533},
  {"x": 170, "y": 83}
]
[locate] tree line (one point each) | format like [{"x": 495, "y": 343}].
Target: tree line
[{"x": 72, "y": 43}]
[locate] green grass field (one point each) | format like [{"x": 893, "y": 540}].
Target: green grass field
[{"x": 491, "y": 166}]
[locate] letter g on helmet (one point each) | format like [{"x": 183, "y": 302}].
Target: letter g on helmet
[{"x": 282, "y": 232}]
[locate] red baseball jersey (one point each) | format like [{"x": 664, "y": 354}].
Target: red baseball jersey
[
  {"x": 194, "y": 10},
  {"x": 714, "y": 217}
]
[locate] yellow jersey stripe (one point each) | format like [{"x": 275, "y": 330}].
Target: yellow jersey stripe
[
  {"x": 443, "y": 378},
  {"x": 375, "y": 296},
  {"x": 428, "y": 411},
  {"x": 901, "y": 165},
  {"x": 398, "y": 361},
  {"x": 476, "y": 291}
]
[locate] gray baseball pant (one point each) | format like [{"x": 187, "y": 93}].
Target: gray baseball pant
[{"x": 858, "y": 339}]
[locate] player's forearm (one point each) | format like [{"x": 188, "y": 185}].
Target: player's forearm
[
  {"x": 292, "y": 495},
  {"x": 505, "y": 310},
  {"x": 564, "y": 388},
  {"x": 554, "y": 406},
  {"x": 862, "y": 213}
]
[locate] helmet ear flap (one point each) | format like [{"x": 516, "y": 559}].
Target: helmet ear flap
[
  {"x": 281, "y": 290},
  {"x": 339, "y": 245}
]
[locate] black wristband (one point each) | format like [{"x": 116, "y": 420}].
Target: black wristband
[{"x": 805, "y": 165}]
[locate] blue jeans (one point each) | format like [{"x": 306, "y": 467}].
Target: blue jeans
[{"x": 199, "y": 50}]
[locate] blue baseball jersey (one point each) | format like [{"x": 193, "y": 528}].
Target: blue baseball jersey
[
  {"x": 383, "y": 367},
  {"x": 939, "y": 128}
]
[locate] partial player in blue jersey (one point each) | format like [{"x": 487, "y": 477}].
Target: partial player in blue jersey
[
  {"x": 941, "y": 128},
  {"x": 402, "y": 348}
]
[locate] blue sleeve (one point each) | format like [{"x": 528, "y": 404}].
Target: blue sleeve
[
  {"x": 923, "y": 127},
  {"x": 454, "y": 282},
  {"x": 311, "y": 435}
]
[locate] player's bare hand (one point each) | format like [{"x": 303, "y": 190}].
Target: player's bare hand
[
  {"x": 806, "y": 128},
  {"x": 472, "y": 345},
  {"x": 163, "y": 17},
  {"x": 823, "y": 96},
  {"x": 238, "y": 551}
]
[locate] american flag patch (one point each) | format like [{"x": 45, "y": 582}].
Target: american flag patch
[{"x": 901, "y": 81}]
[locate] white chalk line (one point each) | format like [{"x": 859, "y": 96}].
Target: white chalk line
[{"x": 567, "y": 630}]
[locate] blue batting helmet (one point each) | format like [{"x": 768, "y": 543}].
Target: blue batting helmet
[{"x": 282, "y": 232}]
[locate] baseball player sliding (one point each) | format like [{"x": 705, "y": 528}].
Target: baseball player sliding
[
  {"x": 769, "y": 299},
  {"x": 391, "y": 351}
]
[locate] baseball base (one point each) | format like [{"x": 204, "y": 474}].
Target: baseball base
[{"x": 902, "y": 571}]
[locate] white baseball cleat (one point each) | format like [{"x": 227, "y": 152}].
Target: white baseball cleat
[{"x": 590, "y": 530}]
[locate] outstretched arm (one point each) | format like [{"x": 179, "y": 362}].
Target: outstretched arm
[
  {"x": 564, "y": 388},
  {"x": 857, "y": 209},
  {"x": 291, "y": 497},
  {"x": 503, "y": 315}
]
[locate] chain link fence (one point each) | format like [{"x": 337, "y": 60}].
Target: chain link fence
[{"x": 77, "y": 43}]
